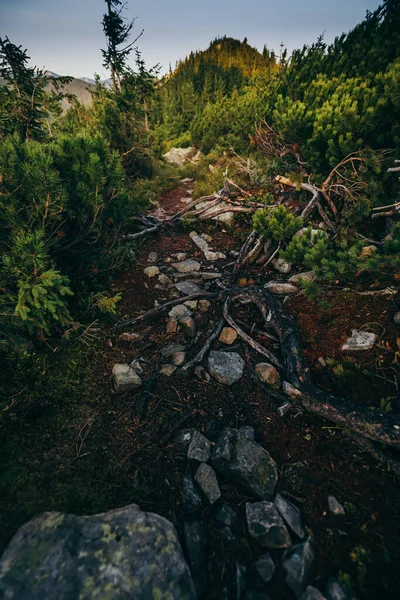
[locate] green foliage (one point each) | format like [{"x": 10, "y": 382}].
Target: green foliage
[
  {"x": 278, "y": 224},
  {"x": 26, "y": 103},
  {"x": 105, "y": 303}
]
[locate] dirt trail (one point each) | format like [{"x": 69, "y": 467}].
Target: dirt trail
[{"x": 122, "y": 460}]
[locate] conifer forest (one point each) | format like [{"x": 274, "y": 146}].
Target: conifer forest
[{"x": 200, "y": 316}]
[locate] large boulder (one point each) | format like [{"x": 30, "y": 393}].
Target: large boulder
[
  {"x": 246, "y": 463},
  {"x": 266, "y": 526},
  {"x": 181, "y": 156},
  {"x": 122, "y": 554},
  {"x": 226, "y": 367}
]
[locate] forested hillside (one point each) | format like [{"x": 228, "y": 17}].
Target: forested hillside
[{"x": 198, "y": 270}]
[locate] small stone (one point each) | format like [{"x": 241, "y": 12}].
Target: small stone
[
  {"x": 151, "y": 272},
  {"x": 204, "y": 305},
  {"x": 191, "y": 495},
  {"x": 338, "y": 590},
  {"x": 172, "y": 326},
  {"x": 266, "y": 526},
  {"x": 186, "y": 266},
  {"x": 129, "y": 337},
  {"x": 281, "y": 265},
  {"x": 226, "y": 367},
  {"x": 228, "y": 336},
  {"x": 181, "y": 256},
  {"x": 297, "y": 565},
  {"x": 136, "y": 367},
  {"x": 164, "y": 280},
  {"x": 168, "y": 260},
  {"x": 179, "y": 311},
  {"x": 187, "y": 288},
  {"x": 171, "y": 349},
  {"x": 335, "y": 507},
  {"x": 306, "y": 276},
  {"x": 322, "y": 361},
  {"x": 275, "y": 287},
  {"x": 396, "y": 318},
  {"x": 359, "y": 341},
  {"x": 265, "y": 567},
  {"x": 268, "y": 375},
  {"x": 284, "y": 408},
  {"x": 188, "y": 325},
  {"x": 191, "y": 304},
  {"x": 223, "y": 515},
  {"x": 290, "y": 514},
  {"x": 167, "y": 370},
  {"x": 210, "y": 276},
  {"x": 152, "y": 257},
  {"x": 179, "y": 358},
  {"x": 201, "y": 373},
  {"x": 207, "y": 481},
  {"x": 312, "y": 593},
  {"x": 125, "y": 379},
  {"x": 199, "y": 448}
]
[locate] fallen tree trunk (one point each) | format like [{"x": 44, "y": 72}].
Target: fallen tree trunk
[{"x": 374, "y": 425}]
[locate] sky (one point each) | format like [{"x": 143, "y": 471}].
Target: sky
[{"x": 65, "y": 36}]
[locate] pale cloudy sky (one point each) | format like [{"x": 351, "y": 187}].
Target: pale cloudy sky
[{"x": 65, "y": 36}]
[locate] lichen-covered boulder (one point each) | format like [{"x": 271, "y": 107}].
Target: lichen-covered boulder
[{"x": 123, "y": 554}]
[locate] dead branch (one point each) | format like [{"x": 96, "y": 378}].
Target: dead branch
[
  {"x": 154, "y": 312},
  {"x": 206, "y": 347}
]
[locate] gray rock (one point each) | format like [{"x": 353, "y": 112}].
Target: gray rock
[
  {"x": 335, "y": 507},
  {"x": 297, "y": 565},
  {"x": 248, "y": 433},
  {"x": 337, "y": 590},
  {"x": 268, "y": 375},
  {"x": 266, "y": 526},
  {"x": 122, "y": 554},
  {"x": 199, "y": 448},
  {"x": 223, "y": 515},
  {"x": 178, "y": 311},
  {"x": 265, "y": 567},
  {"x": 226, "y": 367},
  {"x": 136, "y": 367},
  {"x": 306, "y": 276},
  {"x": 209, "y": 276},
  {"x": 396, "y": 318},
  {"x": 151, "y": 272},
  {"x": 290, "y": 514},
  {"x": 181, "y": 256},
  {"x": 164, "y": 280},
  {"x": 191, "y": 496},
  {"x": 187, "y": 288},
  {"x": 180, "y": 156},
  {"x": 167, "y": 370},
  {"x": 188, "y": 325},
  {"x": 276, "y": 287},
  {"x": 153, "y": 257},
  {"x": 245, "y": 462},
  {"x": 171, "y": 348},
  {"x": 281, "y": 265},
  {"x": 195, "y": 547},
  {"x": 312, "y": 593},
  {"x": 359, "y": 341},
  {"x": 205, "y": 248},
  {"x": 207, "y": 481},
  {"x": 186, "y": 266},
  {"x": 125, "y": 379}
]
